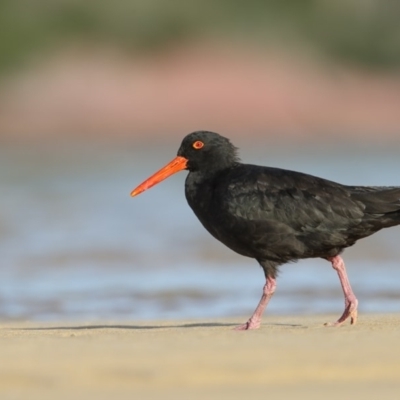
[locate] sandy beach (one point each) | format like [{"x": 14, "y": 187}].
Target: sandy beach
[{"x": 289, "y": 357}]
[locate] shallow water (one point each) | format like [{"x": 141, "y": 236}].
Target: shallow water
[{"x": 74, "y": 245}]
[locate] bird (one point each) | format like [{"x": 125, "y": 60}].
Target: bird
[{"x": 277, "y": 216}]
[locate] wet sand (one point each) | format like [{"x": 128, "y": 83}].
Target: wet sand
[{"x": 289, "y": 357}]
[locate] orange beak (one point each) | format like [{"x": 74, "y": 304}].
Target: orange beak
[{"x": 176, "y": 165}]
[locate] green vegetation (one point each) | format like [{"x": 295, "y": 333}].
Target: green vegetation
[{"x": 360, "y": 31}]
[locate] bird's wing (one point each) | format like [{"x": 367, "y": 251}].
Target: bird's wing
[
  {"x": 299, "y": 201},
  {"x": 290, "y": 214}
]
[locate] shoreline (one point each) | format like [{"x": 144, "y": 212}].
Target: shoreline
[{"x": 288, "y": 356}]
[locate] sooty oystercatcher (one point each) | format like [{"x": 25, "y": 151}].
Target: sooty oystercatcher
[{"x": 275, "y": 215}]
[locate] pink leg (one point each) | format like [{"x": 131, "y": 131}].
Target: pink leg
[
  {"x": 350, "y": 300},
  {"x": 255, "y": 320}
]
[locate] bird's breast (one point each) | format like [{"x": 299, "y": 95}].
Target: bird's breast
[
  {"x": 206, "y": 198},
  {"x": 202, "y": 198}
]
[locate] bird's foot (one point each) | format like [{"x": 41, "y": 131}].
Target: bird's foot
[
  {"x": 255, "y": 320},
  {"x": 250, "y": 324},
  {"x": 349, "y": 311}
]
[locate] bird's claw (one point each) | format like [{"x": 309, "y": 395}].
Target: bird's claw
[
  {"x": 350, "y": 311},
  {"x": 250, "y": 324}
]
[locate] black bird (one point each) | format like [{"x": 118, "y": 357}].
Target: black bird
[{"x": 275, "y": 215}]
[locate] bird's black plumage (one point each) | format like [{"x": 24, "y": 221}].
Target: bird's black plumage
[{"x": 276, "y": 215}]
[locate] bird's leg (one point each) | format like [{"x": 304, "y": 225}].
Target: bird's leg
[
  {"x": 350, "y": 300},
  {"x": 255, "y": 320}
]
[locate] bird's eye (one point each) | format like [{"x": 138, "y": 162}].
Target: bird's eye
[{"x": 198, "y": 144}]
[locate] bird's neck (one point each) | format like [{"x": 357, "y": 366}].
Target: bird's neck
[
  {"x": 208, "y": 176},
  {"x": 199, "y": 187}
]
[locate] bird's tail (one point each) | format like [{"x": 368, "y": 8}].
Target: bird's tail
[{"x": 382, "y": 203}]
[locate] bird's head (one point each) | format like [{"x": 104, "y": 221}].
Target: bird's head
[{"x": 200, "y": 151}]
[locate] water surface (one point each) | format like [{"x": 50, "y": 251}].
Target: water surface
[{"x": 74, "y": 245}]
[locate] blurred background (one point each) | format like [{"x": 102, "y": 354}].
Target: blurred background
[{"x": 96, "y": 95}]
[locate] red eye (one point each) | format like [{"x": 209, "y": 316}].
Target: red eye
[{"x": 198, "y": 144}]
